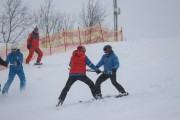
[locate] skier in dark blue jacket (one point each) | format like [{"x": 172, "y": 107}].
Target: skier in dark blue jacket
[
  {"x": 111, "y": 63},
  {"x": 15, "y": 59}
]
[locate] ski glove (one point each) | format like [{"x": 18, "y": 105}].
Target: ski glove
[
  {"x": 98, "y": 71},
  {"x": 17, "y": 62},
  {"x": 2, "y": 62},
  {"x": 6, "y": 64}
]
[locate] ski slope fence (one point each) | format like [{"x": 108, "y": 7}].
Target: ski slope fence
[{"x": 65, "y": 40}]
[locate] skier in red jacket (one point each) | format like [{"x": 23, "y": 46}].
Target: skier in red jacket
[
  {"x": 33, "y": 46},
  {"x": 78, "y": 63}
]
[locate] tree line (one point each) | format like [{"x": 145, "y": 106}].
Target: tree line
[{"x": 17, "y": 19}]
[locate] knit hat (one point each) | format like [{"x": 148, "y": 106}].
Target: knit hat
[{"x": 81, "y": 48}]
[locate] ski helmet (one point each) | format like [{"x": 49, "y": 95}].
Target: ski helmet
[
  {"x": 81, "y": 48},
  {"x": 107, "y": 48},
  {"x": 14, "y": 47}
]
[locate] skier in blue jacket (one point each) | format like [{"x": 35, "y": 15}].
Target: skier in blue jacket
[
  {"x": 111, "y": 63},
  {"x": 15, "y": 59}
]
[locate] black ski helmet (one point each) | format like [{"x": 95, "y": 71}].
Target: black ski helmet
[{"x": 107, "y": 48}]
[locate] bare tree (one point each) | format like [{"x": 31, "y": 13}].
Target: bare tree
[
  {"x": 68, "y": 21},
  {"x": 50, "y": 21},
  {"x": 45, "y": 16},
  {"x": 92, "y": 14},
  {"x": 57, "y": 25},
  {"x": 45, "y": 19},
  {"x": 14, "y": 21}
]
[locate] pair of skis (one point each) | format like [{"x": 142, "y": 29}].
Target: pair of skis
[{"x": 59, "y": 104}]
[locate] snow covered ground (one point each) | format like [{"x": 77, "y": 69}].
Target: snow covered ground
[{"x": 149, "y": 71}]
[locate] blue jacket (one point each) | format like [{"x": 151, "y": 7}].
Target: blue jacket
[
  {"x": 110, "y": 62},
  {"x": 14, "y": 57}
]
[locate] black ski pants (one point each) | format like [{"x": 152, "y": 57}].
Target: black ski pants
[
  {"x": 104, "y": 77},
  {"x": 73, "y": 79}
]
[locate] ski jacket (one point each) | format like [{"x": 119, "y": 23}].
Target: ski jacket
[
  {"x": 78, "y": 63},
  {"x": 13, "y": 58},
  {"x": 110, "y": 62},
  {"x": 33, "y": 40}
]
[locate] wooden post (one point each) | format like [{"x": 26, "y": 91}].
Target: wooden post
[
  {"x": 49, "y": 41},
  {"x": 79, "y": 36},
  {"x": 46, "y": 40},
  {"x": 121, "y": 34},
  {"x": 6, "y": 49},
  {"x": 64, "y": 40},
  {"x": 101, "y": 31},
  {"x": 116, "y": 35}
]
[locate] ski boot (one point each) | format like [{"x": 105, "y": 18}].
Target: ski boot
[
  {"x": 4, "y": 92},
  {"x": 38, "y": 63},
  {"x": 98, "y": 96},
  {"x": 60, "y": 102},
  {"x": 122, "y": 94}
]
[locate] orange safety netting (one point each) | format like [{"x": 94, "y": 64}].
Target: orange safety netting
[{"x": 68, "y": 39}]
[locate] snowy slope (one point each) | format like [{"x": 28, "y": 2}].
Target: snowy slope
[{"x": 149, "y": 72}]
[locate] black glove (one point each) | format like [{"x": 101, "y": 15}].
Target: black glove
[
  {"x": 2, "y": 62},
  {"x": 114, "y": 71},
  {"x": 28, "y": 46},
  {"x": 98, "y": 71},
  {"x": 6, "y": 64},
  {"x": 17, "y": 62}
]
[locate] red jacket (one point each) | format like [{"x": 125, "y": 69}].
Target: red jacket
[
  {"x": 78, "y": 62},
  {"x": 33, "y": 40}
]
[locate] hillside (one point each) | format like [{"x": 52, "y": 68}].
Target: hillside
[{"x": 149, "y": 71}]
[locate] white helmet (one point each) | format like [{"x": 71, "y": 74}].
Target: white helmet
[{"x": 14, "y": 47}]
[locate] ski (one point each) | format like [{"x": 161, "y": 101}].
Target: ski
[
  {"x": 39, "y": 65},
  {"x": 104, "y": 97},
  {"x": 121, "y": 95},
  {"x": 87, "y": 101},
  {"x": 58, "y": 105},
  {"x": 116, "y": 96}
]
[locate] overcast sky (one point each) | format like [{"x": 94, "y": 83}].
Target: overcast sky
[{"x": 140, "y": 19}]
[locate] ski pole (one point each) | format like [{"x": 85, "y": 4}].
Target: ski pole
[
  {"x": 88, "y": 70},
  {"x": 13, "y": 64}
]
